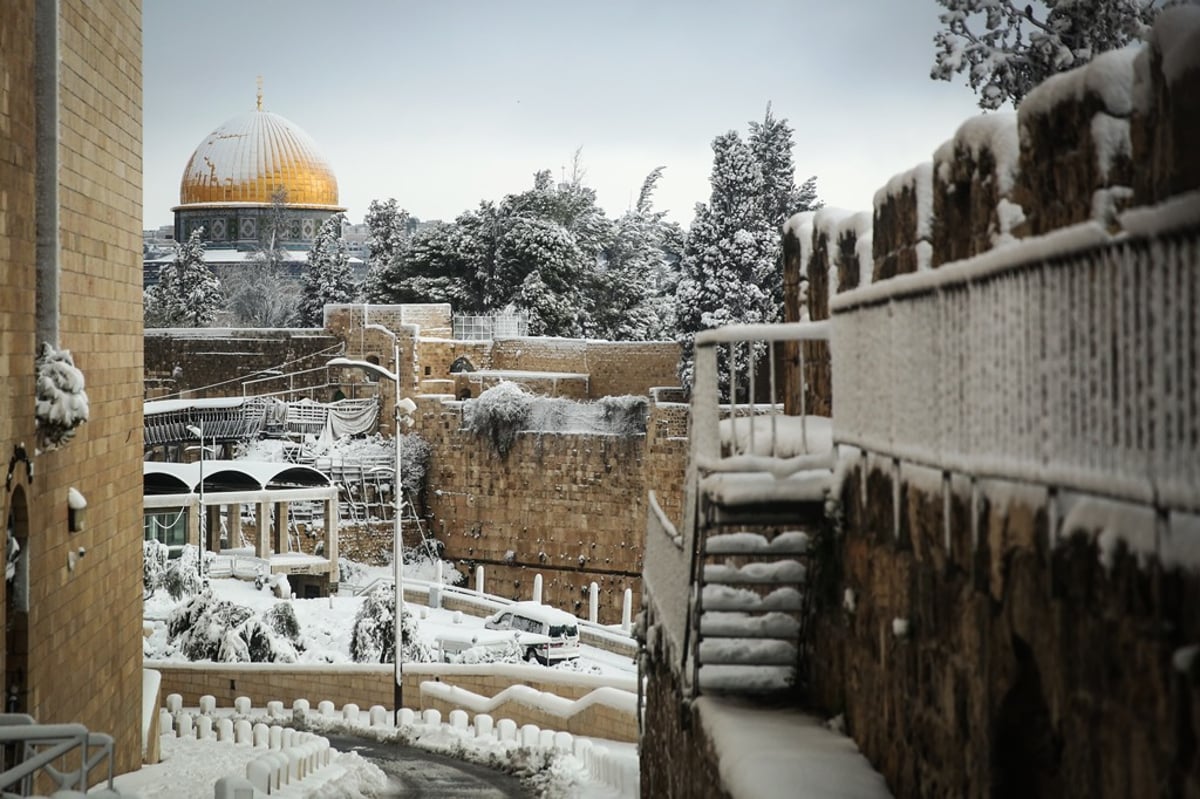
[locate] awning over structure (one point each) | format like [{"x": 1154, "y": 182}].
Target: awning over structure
[{"x": 228, "y": 476}]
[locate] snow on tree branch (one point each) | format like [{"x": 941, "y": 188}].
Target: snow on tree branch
[
  {"x": 62, "y": 403},
  {"x": 1006, "y": 48}
]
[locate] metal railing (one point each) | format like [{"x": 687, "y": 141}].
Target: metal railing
[{"x": 31, "y": 748}]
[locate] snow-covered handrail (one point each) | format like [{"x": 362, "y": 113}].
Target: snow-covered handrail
[{"x": 1065, "y": 360}]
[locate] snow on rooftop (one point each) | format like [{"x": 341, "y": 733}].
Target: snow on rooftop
[{"x": 784, "y": 754}]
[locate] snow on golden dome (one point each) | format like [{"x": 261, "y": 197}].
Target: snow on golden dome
[{"x": 249, "y": 157}]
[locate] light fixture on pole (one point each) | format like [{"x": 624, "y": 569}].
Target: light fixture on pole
[
  {"x": 200, "y": 543},
  {"x": 402, "y": 414}
]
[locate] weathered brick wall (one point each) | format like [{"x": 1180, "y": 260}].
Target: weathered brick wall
[
  {"x": 75, "y": 656},
  {"x": 468, "y": 385},
  {"x": 1030, "y": 668},
  {"x": 215, "y": 362},
  {"x": 901, "y": 241}
]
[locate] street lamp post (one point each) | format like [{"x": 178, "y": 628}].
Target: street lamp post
[
  {"x": 199, "y": 433},
  {"x": 402, "y": 411}
]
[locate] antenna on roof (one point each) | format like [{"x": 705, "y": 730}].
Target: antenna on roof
[{"x": 260, "y": 92}]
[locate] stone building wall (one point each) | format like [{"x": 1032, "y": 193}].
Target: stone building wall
[{"x": 73, "y": 644}]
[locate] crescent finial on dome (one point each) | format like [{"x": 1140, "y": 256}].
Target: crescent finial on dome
[{"x": 259, "y": 92}]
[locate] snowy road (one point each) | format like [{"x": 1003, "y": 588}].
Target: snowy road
[{"x": 417, "y": 774}]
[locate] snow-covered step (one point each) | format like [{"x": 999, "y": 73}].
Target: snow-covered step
[
  {"x": 779, "y": 572},
  {"x": 724, "y": 597},
  {"x": 746, "y": 625},
  {"x": 747, "y": 679},
  {"x": 794, "y": 542},
  {"x": 747, "y": 652}
]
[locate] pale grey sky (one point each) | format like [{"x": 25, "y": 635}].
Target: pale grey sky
[{"x": 443, "y": 104}]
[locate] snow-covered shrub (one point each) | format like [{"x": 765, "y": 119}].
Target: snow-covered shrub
[
  {"x": 626, "y": 414},
  {"x": 62, "y": 403},
  {"x": 154, "y": 564},
  {"x": 201, "y": 628},
  {"x": 264, "y": 644},
  {"x": 349, "y": 571},
  {"x": 414, "y": 462},
  {"x": 499, "y": 414},
  {"x": 181, "y": 576},
  {"x": 282, "y": 619},
  {"x": 507, "y": 652},
  {"x": 373, "y": 639}
]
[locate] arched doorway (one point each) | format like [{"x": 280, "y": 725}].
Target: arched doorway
[{"x": 16, "y": 606}]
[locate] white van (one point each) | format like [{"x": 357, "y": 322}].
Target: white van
[{"x": 546, "y": 634}]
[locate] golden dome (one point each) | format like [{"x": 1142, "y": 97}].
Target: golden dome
[{"x": 250, "y": 156}]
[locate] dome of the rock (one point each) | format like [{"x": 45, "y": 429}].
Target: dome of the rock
[{"x": 251, "y": 157}]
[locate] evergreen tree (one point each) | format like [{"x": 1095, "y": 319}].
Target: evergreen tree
[
  {"x": 388, "y": 228},
  {"x": 326, "y": 278},
  {"x": 188, "y": 294},
  {"x": 1006, "y": 48},
  {"x": 729, "y": 259},
  {"x": 262, "y": 298},
  {"x": 625, "y": 298},
  {"x": 540, "y": 269}
]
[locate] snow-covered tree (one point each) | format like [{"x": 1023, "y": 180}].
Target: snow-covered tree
[
  {"x": 188, "y": 294},
  {"x": 261, "y": 297},
  {"x": 729, "y": 259},
  {"x": 388, "y": 229},
  {"x": 373, "y": 638},
  {"x": 541, "y": 269},
  {"x": 154, "y": 562},
  {"x": 626, "y": 295},
  {"x": 327, "y": 278},
  {"x": 1006, "y": 48}
]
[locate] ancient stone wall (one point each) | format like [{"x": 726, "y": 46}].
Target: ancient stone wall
[
  {"x": 216, "y": 362},
  {"x": 570, "y": 507},
  {"x": 1028, "y": 667}
]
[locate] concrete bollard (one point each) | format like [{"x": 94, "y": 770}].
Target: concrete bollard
[
  {"x": 275, "y": 737},
  {"x": 208, "y": 703},
  {"x": 295, "y": 766},
  {"x": 326, "y": 708},
  {"x": 583, "y": 749},
  {"x": 530, "y": 734},
  {"x": 593, "y": 602},
  {"x": 564, "y": 741},
  {"x": 174, "y": 703},
  {"x": 627, "y": 611},
  {"x": 483, "y": 726},
  {"x": 241, "y": 705},
  {"x": 275, "y": 709},
  {"x": 379, "y": 716},
  {"x": 479, "y": 579},
  {"x": 350, "y": 712},
  {"x": 234, "y": 788},
  {"x": 288, "y": 738},
  {"x": 204, "y": 728},
  {"x": 459, "y": 719},
  {"x": 166, "y": 723},
  {"x": 300, "y": 711},
  {"x": 507, "y": 729},
  {"x": 456, "y": 617},
  {"x": 537, "y": 588},
  {"x": 262, "y": 735},
  {"x": 408, "y": 716},
  {"x": 546, "y": 739},
  {"x": 243, "y": 733},
  {"x": 225, "y": 730},
  {"x": 431, "y": 717},
  {"x": 258, "y": 774},
  {"x": 183, "y": 725}
]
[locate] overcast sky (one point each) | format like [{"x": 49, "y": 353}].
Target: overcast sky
[{"x": 444, "y": 104}]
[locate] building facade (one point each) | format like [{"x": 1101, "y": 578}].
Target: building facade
[{"x": 70, "y": 235}]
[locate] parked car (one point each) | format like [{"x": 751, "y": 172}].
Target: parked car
[{"x": 546, "y": 634}]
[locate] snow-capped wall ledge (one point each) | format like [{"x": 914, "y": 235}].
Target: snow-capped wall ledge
[
  {"x": 902, "y": 235},
  {"x": 62, "y": 402},
  {"x": 974, "y": 175}
]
